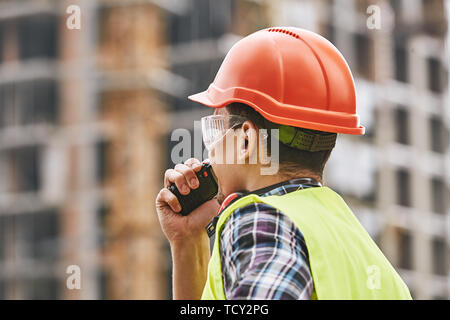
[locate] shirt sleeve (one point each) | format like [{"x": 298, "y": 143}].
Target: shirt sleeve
[{"x": 264, "y": 256}]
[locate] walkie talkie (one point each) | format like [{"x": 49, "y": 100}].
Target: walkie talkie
[{"x": 206, "y": 190}]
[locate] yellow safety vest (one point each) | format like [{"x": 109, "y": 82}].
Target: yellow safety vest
[{"x": 345, "y": 262}]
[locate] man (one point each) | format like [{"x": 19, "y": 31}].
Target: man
[{"x": 282, "y": 235}]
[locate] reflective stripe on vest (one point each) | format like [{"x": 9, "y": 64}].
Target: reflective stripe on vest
[{"x": 345, "y": 262}]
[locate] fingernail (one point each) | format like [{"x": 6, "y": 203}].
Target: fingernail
[
  {"x": 184, "y": 188},
  {"x": 194, "y": 182}
]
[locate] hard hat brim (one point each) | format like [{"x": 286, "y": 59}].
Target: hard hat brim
[
  {"x": 202, "y": 97},
  {"x": 221, "y": 100}
]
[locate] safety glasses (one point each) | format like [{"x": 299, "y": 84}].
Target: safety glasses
[{"x": 215, "y": 127}]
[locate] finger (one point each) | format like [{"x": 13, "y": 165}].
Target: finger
[
  {"x": 173, "y": 176},
  {"x": 188, "y": 174},
  {"x": 194, "y": 164},
  {"x": 165, "y": 196}
]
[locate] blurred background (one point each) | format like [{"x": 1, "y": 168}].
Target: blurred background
[{"x": 86, "y": 118}]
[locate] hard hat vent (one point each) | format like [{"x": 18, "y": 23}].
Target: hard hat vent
[{"x": 290, "y": 33}]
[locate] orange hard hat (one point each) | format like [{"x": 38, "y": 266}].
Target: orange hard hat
[{"x": 292, "y": 77}]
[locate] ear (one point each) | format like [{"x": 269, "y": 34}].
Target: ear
[{"x": 247, "y": 143}]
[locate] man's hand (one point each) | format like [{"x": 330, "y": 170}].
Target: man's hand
[
  {"x": 175, "y": 226},
  {"x": 188, "y": 240}
]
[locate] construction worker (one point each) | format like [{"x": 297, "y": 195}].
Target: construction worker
[{"x": 282, "y": 235}]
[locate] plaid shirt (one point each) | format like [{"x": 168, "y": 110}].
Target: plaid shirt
[{"x": 263, "y": 253}]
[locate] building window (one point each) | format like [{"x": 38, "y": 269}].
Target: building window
[
  {"x": 42, "y": 288},
  {"x": 2, "y": 240},
  {"x": 2, "y": 289},
  {"x": 38, "y": 101},
  {"x": 363, "y": 53},
  {"x": 38, "y": 36},
  {"x": 439, "y": 256},
  {"x": 24, "y": 169},
  {"x": 402, "y": 125},
  {"x": 45, "y": 95},
  {"x": 28, "y": 237},
  {"x": 437, "y": 130},
  {"x": 401, "y": 61},
  {"x": 29, "y": 102},
  {"x": 434, "y": 75},
  {"x": 1, "y": 41},
  {"x": 102, "y": 279},
  {"x": 330, "y": 32},
  {"x": 200, "y": 76},
  {"x": 7, "y": 102},
  {"x": 395, "y": 5},
  {"x": 439, "y": 195},
  {"x": 101, "y": 149},
  {"x": 403, "y": 188},
  {"x": 434, "y": 17},
  {"x": 34, "y": 235},
  {"x": 203, "y": 20},
  {"x": 102, "y": 212},
  {"x": 405, "y": 249},
  {"x": 3, "y": 108},
  {"x": 39, "y": 232}
]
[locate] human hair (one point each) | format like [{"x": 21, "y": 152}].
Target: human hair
[{"x": 292, "y": 161}]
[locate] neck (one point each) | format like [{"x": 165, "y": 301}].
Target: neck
[{"x": 258, "y": 181}]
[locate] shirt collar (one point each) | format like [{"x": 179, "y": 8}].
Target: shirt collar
[
  {"x": 279, "y": 188},
  {"x": 274, "y": 189}
]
